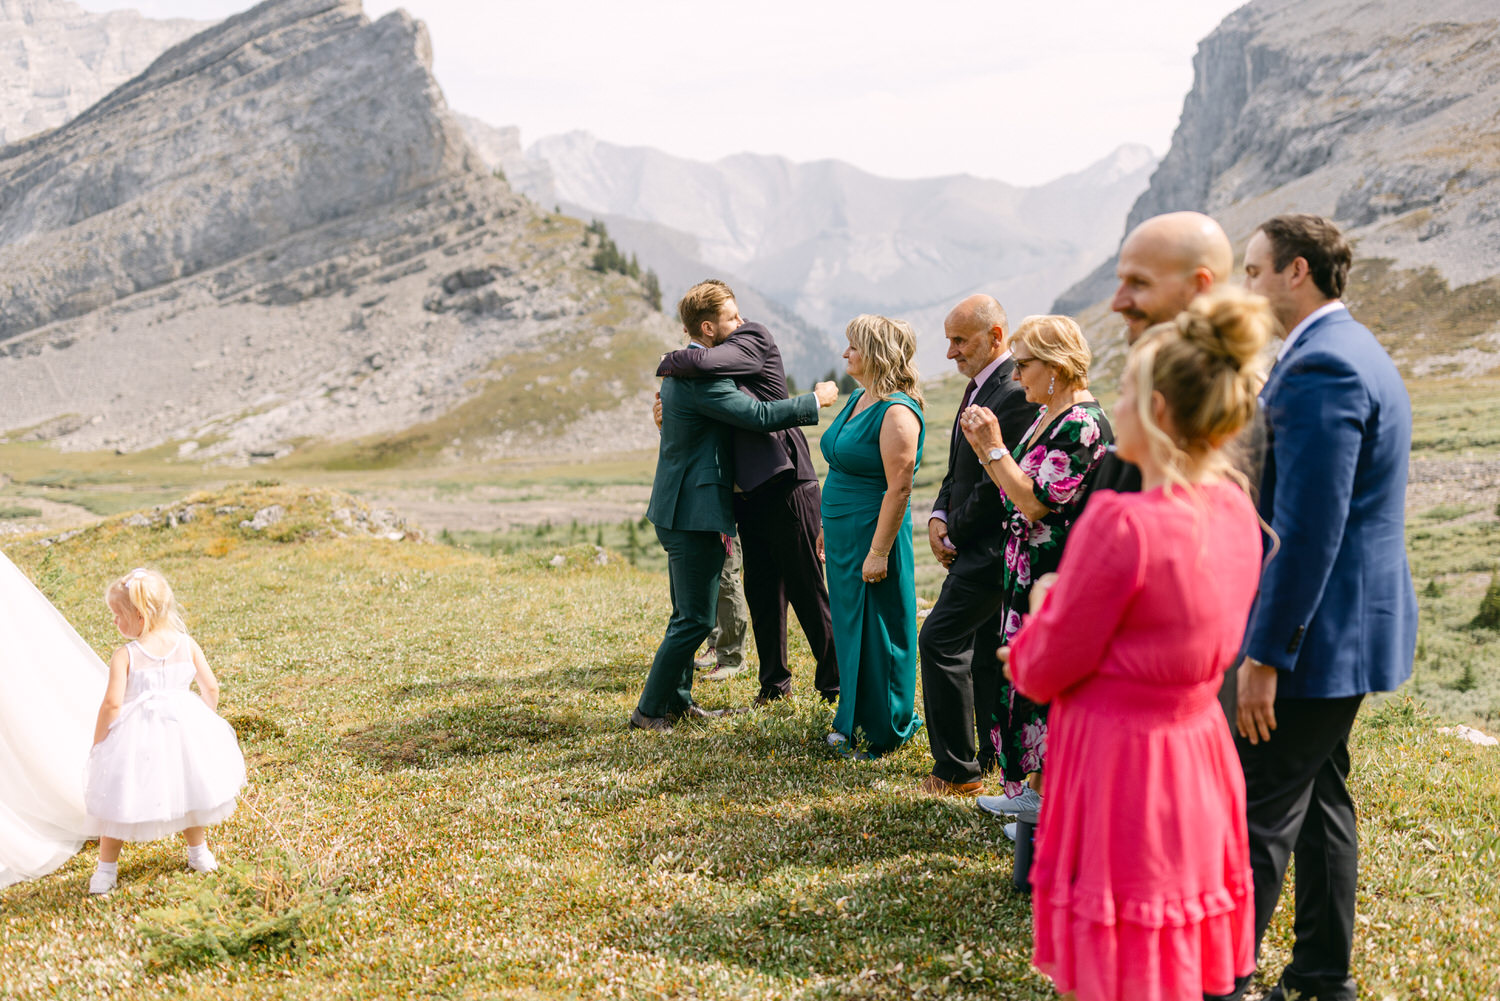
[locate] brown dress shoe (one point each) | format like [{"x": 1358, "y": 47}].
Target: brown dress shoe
[
  {"x": 640, "y": 721},
  {"x": 934, "y": 786}
]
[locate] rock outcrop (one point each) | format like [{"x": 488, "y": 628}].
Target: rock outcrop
[
  {"x": 58, "y": 59},
  {"x": 277, "y": 233},
  {"x": 1382, "y": 116}
]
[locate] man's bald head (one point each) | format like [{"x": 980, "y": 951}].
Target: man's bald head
[
  {"x": 1165, "y": 262},
  {"x": 976, "y": 330}
]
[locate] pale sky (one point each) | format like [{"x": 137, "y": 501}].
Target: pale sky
[{"x": 1010, "y": 89}]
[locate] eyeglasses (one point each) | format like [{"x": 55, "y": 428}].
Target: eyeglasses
[{"x": 1021, "y": 363}]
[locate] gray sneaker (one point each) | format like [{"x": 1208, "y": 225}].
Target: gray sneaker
[{"x": 1025, "y": 805}]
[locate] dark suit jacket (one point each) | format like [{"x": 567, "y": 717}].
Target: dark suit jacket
[
  {"x": 692, "y": 490},
  {"x": 1336, "y": 613},
  {"x": 1113, "y": 473},
  {"x": 976, "y": 514},
  {"x": 751, "y": 358}
]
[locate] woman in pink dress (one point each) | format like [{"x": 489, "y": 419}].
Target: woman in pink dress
[{"x": 1141, "y": 882}]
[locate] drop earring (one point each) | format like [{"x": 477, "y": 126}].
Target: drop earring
[{"x": 1051, "y": 386}]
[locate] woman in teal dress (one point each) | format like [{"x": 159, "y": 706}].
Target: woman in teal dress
[{"x": 873, "y": 450}]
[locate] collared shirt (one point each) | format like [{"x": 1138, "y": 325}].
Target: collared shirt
[
  {"x": 1307, "y": 321},
  {"x": 979, "y": 381}
]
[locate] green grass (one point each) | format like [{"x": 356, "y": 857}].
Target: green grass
[
  {"x": 17, "y": 512},
  {"x": 446, "y": 803}
]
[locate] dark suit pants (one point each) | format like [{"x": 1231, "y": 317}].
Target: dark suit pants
[
  {"x": 694, "y": 560},
  {"x": 959, "y": 671},
  {"x": 1297, "y": 803},
  {"x": 779, "y": 524}
]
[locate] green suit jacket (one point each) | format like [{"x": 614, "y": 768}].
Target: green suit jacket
[{"x": 694, "y": 486}]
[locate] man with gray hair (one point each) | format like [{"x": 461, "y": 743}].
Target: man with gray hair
[{"x": 967, "y": 535}]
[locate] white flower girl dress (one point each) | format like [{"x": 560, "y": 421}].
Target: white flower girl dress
[{"x": 169, "y": 762}]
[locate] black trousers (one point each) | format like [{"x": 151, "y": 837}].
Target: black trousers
[
  {"x": 960, "y": 672},
  {"x": 1297, "y": 803},
  {"x": 779, "y": 524}
]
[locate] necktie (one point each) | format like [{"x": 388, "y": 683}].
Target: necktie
[{"x": 968, "y": 397}]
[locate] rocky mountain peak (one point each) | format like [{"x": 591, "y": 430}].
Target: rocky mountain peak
[
  {"x": 1377, "y": 114},
  {"x": 281, "y": 233},
  {"x": 59, "y": 58}
]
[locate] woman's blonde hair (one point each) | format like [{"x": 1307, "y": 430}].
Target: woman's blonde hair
[
  {"x": 1203, "y": 365},
  {"x": 149, "y": 594},
  {"x": 1059, "y": 342},
  {"x": 889, "y": 347}
]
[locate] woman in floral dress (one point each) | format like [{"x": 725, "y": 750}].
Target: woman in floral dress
[{"x": 1041, "y": 480}]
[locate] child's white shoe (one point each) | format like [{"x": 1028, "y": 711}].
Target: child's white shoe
[
  {"x": 200, "y": 859},
  {"x": 102, "y": 881}
]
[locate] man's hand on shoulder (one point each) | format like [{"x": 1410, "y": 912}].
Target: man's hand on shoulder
[{"x": 827, "y": 393}]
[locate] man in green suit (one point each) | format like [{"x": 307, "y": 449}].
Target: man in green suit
[{"x": 692, "y": 497}]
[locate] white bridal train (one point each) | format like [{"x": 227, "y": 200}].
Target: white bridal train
[{"x": 51, "y": 684}]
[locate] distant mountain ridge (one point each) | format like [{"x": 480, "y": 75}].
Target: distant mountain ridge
[
  {"x": 827, "y": 241},
  {"x": 59, "y": 58},
  {"x": 1380, "y": 115}
]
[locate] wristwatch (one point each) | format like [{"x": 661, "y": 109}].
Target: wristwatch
[{"x": 994, "y": 455}]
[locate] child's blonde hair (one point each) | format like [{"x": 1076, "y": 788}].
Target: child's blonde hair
[{"x": 149, "y": 594}]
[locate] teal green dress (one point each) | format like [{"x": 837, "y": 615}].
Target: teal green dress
[{"x": 874, "y": 625}]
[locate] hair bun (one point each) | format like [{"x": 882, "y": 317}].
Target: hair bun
[{"x": 1228, "y": 323}]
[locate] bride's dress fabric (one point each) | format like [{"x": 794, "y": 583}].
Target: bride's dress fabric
[{"x": 51, "y": 684}]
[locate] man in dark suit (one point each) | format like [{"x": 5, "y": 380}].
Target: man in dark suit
[
  {"x": 967, "y": 534},
  {"x": 690, "y": 499},
  {"x": 777, "y": 506},
  {"x": 1336, "y": 616},
  {"x": 1165, "y": 263}
]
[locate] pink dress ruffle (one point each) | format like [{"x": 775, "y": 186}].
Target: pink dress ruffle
[{"x": 1141, "y": 883}]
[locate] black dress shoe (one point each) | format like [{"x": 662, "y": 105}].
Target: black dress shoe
[
  {"x": 761, "y": 701},
  {"x": 640, "y": 721}
]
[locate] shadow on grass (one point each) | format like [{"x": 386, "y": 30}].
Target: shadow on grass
[
  {"x": 427, "y": 689},
  {"x": 620, "y": 675},
  {"x": 444, "y": 735},
  {"x": 884, "y": 930}
]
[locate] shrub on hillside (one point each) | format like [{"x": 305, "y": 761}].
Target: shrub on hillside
[{"x": 1489, "y": 606}]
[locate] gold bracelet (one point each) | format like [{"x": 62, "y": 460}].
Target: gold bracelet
[{"x": 882, "y": 553}]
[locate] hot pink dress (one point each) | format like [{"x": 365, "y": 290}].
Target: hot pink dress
[{"x": 1141, "y": 882}]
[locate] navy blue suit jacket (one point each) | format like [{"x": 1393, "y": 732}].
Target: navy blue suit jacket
[{"x": 1336, "y": 613}]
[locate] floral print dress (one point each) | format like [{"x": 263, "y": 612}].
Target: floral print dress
[{"x": 1058, "y": 462}]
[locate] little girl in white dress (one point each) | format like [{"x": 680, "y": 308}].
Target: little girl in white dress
[{"x": 163, "y": 761}]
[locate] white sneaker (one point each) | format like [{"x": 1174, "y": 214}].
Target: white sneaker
[
  {"x": 835, "y": 739},
  {"x": 1011, "y": 830},
  {"x": 204, "y": 863},
  {"x": 101, "y": 883},
  {"x": 1025, "y": 805}
]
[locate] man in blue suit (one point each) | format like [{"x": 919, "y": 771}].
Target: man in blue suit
[{"x": 1337, "y": 616}]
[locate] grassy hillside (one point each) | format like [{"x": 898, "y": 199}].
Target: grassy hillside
[{"x": 445, "y": 802}]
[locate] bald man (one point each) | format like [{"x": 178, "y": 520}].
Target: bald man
[
  {"x": 1165, "y": 263},
  {"x": 967, "y": 535}
]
